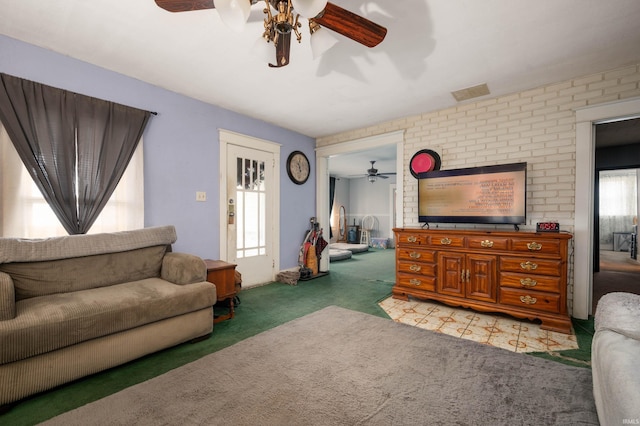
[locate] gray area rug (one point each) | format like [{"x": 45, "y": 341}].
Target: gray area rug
[{"x": 340, "y": 367}]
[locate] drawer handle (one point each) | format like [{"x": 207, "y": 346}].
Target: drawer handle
[
  {"x": 414, "y": 255},
  {"x": 415, "y": 268},
  {"x": 486, "y": 244},
  {"x": 529, "y": 266},
  {"x": 412, "y": 239},
  {"x": 528, "y": 282},
  {"x": 445, "y": 241},
  {"x": 534, "y": 246},
  {"x": 528, "y": 300},
  {"x": 415, "y": 282}
]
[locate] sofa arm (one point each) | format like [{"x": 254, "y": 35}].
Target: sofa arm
[
  {"x": 183, "y": 268},
  {"x": 8, "y": 297}
]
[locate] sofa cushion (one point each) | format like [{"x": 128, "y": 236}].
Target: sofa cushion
[
  {"x": 46, "y": 323},
  {"x": 33, "y": 279},
  {"x": 619, "y": 312},
  {"x": 183, "y": 268},
  {"x": 36, "y": 250}
]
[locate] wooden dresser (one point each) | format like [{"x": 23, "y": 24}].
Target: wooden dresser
[{"x": 523, "y": 274}]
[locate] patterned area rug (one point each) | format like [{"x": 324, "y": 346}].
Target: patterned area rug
[{"x": 495, "y": 330}]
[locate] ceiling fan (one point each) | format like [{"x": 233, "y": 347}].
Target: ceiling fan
[
  {"x": 372, "y": 174},
  {"x": 282, "y": 19}
]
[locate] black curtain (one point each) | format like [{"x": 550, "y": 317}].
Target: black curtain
[
  {"x": 75, "y": 147},
  {"x": 332, "y": 193}
]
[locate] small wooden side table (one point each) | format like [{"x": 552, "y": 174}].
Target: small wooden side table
[{"x": 222, "y": 274}]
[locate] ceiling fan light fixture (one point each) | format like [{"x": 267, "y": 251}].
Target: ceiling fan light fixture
[
  {"x": 321, "y": 40},
  {"x": 234, "y": 13},
  {"x": 283, "y": 28},
  {"x": 282, "y": 21},
  {"x": 309, "y": 8},
  {"x": 372, "y": 178}
]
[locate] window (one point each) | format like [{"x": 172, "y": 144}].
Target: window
[
  {"x": 25, "y": 213},
  {"x": 618, "y": 193}
]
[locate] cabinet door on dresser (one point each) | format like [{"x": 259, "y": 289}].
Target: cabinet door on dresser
[
  {"x": 482, "y": 277},
  {"x": 472, "y": 276},
  {"x": 451, "y": 274}
]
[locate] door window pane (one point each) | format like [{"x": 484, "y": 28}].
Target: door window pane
[
  {"x": 239, "y": 174},
  {"x": 251, "y": 208}
]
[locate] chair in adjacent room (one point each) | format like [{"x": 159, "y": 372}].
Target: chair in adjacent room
[{"x": 368, "y": 223}]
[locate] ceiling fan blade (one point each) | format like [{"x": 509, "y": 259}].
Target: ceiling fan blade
[
  {"x": 383, "y": 176},
  {"x": 185, "y": 5},
  {"x": 282, "y": 50},
  {"x": 351, "y": 25}
]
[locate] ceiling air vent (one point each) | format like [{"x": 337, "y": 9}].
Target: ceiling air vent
[{"x": 471, "y": 92}]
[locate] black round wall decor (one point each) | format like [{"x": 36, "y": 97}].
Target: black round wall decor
[{"x": 425, "y": 160}]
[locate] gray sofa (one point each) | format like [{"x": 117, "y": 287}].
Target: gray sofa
[
  {"x": 615, "y": 359},
  {"x": 73, "y": 306}
]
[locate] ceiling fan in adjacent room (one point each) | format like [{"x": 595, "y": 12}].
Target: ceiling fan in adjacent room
[
  {"x": 282, "y": 19},
  {"x": 372, "y": 174}
]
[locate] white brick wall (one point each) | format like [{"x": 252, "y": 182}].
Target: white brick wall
[{"x": 536, "y": 126}]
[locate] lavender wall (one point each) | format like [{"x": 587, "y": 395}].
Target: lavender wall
[{"x": 181, "y": 149}]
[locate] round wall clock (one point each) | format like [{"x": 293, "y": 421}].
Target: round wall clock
[
  {"x": 424, "y": 161},
  {"x": 298, "y": 167}
]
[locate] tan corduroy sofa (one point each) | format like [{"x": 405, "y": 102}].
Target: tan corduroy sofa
[{"x": 73, "y": 306}]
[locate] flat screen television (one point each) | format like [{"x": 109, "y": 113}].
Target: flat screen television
[{"x": 487, "y": 194}]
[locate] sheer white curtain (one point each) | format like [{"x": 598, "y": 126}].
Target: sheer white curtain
[
  {"x": 25, "y": 213},
  {"x": 618, "y": 202},
  {"x": 618, "y": 194}
]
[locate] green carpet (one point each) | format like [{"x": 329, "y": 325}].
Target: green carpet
[
  {"x": 580, "y": 357},
  {"x": 357, "y": 284}
]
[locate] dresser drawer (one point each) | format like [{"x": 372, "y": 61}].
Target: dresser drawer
[
  {"x": 536, "y": 301},
  {"x": 531, "y": 266},
  {"x": 416, "y": 255},
  {"x": 533, "y": 245},
  {"x": 488, "y": 243},
  {"x": 412, "y": 239},
  {"x": 428, "y": 269},
  {"x": 530, "y": 282},
  {"x": 416, "y": 281},
  {"x": 447, "y": 241}
]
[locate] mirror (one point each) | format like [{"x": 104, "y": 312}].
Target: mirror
[{"x": 342, "y": 224}]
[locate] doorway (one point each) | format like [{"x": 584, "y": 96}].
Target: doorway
[
  {"x": 323, "y": 154},
  {"x": 249, "y": 200},
  {"x": 586, "y": 120},
  {"x": 617, "y": 158}
]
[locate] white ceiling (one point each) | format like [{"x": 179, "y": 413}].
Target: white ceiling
[{"x": 433, "y": 47}]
